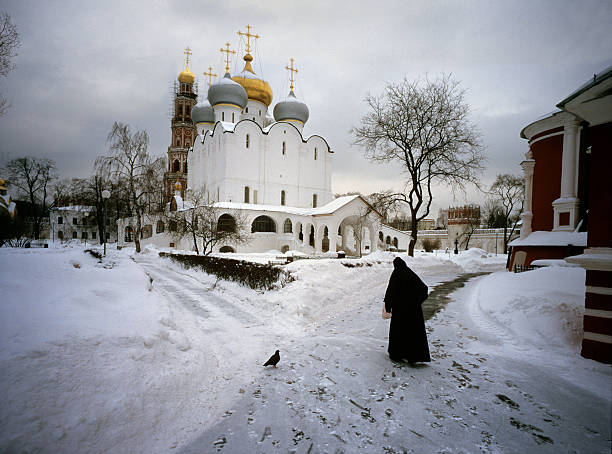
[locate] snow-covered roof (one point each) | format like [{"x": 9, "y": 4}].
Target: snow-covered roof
[
  {"x": 541, "y": 238},
  {"x": 76, "y": 208},
  {"x": 327, "y": 209}
]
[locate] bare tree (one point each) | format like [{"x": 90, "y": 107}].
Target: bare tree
[
  {"x": 33, "y": 177},
  {"x": 508, "y": 192},
  {"x": 130, "y": 161},
  {"x": 469, "y": 228},
  {"x": 424, "y": 127},
  {"x": 9, "y": 42},
  {"x": 203, "y": 222}
]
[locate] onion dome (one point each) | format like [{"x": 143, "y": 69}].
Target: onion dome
[
  {"x": 291, "y": 109},
  {"x": 186, "y": 77},
  {"x": 178, "y": 186},
  {"x": 226, "y": 91},
  {"x": 203, "y": 113},
  {"x": 256, "y": 88}
]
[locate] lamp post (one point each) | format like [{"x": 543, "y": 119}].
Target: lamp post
[
  {"x": 105, "y": 196},
  {"x": 456, "y": 243}
]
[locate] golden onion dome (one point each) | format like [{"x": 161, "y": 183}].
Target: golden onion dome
[
  {"x": 186, "y": 77},
  {"x": 256, "y": 88},
  {"x": 178, "y": 186}
]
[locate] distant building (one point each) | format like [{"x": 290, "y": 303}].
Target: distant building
[
  {"x": 78, "y": 222},
  {"x": 568, "y": 201},
  {"x": 467, "y": 214},
  {"x": 442, "y": 219}
]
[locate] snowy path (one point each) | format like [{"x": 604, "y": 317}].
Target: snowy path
[{"x": 336, "y": 391}]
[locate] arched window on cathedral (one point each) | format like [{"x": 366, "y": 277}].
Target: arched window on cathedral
[
  {"x": 315, "y": 154},
  {"x": 263, "y": 224},
  {"x": 283, "y": 198},
  {"x": 226, "y": 223},
  {"x": 314, "y": 200},
  {"x": 287, "y": 227},
  {"x": 284, "y": 147},
  {"x": 232, "y": 117},
  {"x": 248, "y": 141},
  {"x": 176, "y": 166},
  {"x": 222, "y": 116},
  {"x": 185, "y": 167},
  {"x": 247, "y": 110},
  {"x": 247, "y": 193}
]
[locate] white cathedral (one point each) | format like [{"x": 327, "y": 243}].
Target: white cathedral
[{"x": 263, "y": 169}]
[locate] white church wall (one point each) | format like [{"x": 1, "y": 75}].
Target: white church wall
[{"x": 255, "y": 111}]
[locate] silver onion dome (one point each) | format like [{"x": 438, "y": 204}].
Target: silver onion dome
[
  {"x": 291, "y": 109},
  {"x": 203, "y": 113},
  {"x": 226, "y": 91}
]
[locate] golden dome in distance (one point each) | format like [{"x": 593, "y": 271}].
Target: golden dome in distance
[
  {"x": 187, "y": 77},
  {"x": 256, "y": 88},
  {"x": 178, "y": 186}
]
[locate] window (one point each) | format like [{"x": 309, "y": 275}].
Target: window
[
  {"x": 287, "y": 227},
  {"x": 255, "y": 196},
  {"x": 226, "y": 223},
  {"x": 315, "y": 154},
  {"x": 129, "y": 234},
  {"x": 159, "y": 228},
  {"x": 388, "y": 240},
  {"x": 176, "y": 166},
  {"x": 232, "y": 117},
  {"x": 60, "y": 235},
  {"x": 60, "y": 220},
  {"x": 93, "y": 235},
  {"x": 381, "y": 237},
  {"x": 282, "y": 197},
  {"x": 246, "y": 194},
  {"x": 263, "y": 224},
  {"x": 248, "y": 141},
  {"x": 340, "y": 230},
  {"x": 185, "y": 167},
  {"x": 260, "y": 113},
  {"x": 284, "y": 148},
  {"x": 222, "y": 116},
  {"x": 75, "y": 221},
  {"x": 247, "y": 110},
  {"x": 395, "y": 242},
  {"x": 314, "y": 200},
  {"x": 74, "y": 235}
]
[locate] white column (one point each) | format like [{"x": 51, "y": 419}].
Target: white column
[
  {"x": 528, "y": 166},
  {"x": 567, "y": 204}
]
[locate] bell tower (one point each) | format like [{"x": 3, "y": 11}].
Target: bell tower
[{"x": 183, "y": 130}]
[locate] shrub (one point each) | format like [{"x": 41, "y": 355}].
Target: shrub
[
  {"x": 254, "y": 275},
  {"x": 429, "y": 244},
  {"x": 94, "y": 253}
]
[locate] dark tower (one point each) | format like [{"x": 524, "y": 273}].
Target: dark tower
[{"x": 183, "y": 130}]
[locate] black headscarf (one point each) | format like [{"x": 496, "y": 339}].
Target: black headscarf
[{"x": 404, "y": 282}]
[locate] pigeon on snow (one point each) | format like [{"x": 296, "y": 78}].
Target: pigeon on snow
[{"x": 274, "y": 359}]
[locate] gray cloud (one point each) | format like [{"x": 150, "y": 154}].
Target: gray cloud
[{"x": 82, "y": 66}]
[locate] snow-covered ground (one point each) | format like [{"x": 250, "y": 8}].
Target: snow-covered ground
[{"x": 135, "y": 354}]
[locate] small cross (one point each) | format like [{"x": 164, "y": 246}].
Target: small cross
[
  {"x": 187, "y": 54},
  {"x": 291, "y": 71},
  {"x": 227, "y": 55},
  {"x": 210, "y": 75},
  {"x": 248, "y": 37}
]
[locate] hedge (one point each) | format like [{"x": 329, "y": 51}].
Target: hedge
[{"x": 254, "y": 275}]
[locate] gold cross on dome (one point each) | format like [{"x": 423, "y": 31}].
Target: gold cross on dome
[
  {"x": 248, "y": 37},
  {"x": 291, "y": 71},
  {"x": 187, "y": 54},
  {"x": 210, "y": 75},
  {"x": 227, "y": 52}
]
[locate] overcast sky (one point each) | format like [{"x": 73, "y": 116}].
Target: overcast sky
[{"x": 84, "y": 65}]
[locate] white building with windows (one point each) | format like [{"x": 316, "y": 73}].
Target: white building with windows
[
  {"x": 266, "y": 170},
  {"x": 77, "y": 222}
]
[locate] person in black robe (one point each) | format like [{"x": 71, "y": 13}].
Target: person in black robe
[{"x": 405, "y": 294}]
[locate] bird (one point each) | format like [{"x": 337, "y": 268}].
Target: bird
[{"x": 274, "y": 359}]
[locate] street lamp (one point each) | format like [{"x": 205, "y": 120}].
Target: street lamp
[
  {"x": 105, "y": 197},
  {"x": 456, "y": 243}
]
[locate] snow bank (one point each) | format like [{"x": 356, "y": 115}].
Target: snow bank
[
  {"x": 542, "y": 308},
  {"x": 50, "y": 294}
]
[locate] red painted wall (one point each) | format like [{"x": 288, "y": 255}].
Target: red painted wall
[
  {"x": 600, "y": 187},
  {"x": 546, "y": 180}
]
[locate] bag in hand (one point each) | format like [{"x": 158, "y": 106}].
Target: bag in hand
[{"x": 385, "y": 315}]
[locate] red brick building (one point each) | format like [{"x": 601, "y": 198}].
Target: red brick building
[{"x": 568, "y": 200}]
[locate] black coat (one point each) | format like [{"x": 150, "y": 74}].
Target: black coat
[{"x": 404, "y": 296}]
